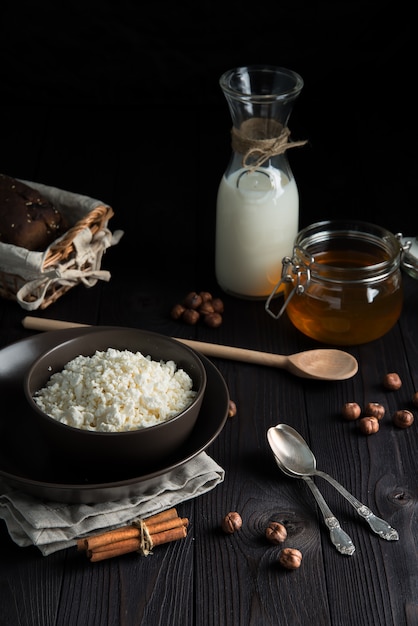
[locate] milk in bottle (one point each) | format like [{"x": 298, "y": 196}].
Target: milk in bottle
[
  {"x": 256, "y": 225},
  {"x": 257, "y": 211}
]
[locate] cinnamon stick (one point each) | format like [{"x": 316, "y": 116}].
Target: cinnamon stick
[
  {"x": 133, "y": 545},
  {"x": 169, "y": 535},
  {"x": 140, "y": 537},
  {"x": 126, "y": 532},
  {"x": 112, "y": 536},
  {"x": 154, "y": 529},
  {"x": 160, "y": 517},
  {"x": 106, "y": 552}
]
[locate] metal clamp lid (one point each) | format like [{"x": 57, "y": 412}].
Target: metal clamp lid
[
  {"x": 292, "y": 272},
  {"x": 409, "y": 260}
]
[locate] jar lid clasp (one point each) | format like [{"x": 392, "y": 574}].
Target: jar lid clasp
[{"x": 289, "y": 271}]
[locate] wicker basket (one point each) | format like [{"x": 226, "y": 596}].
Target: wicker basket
[{"x": 37, "y": 279}]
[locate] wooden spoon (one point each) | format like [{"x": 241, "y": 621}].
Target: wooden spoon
[{"x": 320, "y": 364}]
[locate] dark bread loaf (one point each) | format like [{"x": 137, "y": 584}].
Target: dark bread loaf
[{"x": 27, "y": 219}]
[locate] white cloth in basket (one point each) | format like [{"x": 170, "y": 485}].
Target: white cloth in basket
[{"x": 84, "y": 265}]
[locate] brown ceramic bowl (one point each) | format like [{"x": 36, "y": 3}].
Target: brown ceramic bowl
[{"x": 141, "y": 448}]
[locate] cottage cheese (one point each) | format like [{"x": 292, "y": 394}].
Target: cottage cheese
[{"x": 115, "y": 391}]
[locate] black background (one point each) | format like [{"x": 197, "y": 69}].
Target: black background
[{"x": 121, "y": 101}]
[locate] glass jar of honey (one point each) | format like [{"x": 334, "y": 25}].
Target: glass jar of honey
[{"x": 343, "y": 284}]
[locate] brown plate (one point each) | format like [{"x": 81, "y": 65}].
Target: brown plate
[{"x": 25, "y": 459}]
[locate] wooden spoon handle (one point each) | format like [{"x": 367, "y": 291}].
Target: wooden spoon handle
[
  {"x": 236, "y": 354},
  {"x": 38, "y": 323},
  {"x": 208, "y": 349}
]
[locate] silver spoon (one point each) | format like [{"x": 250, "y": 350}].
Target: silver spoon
[
  {"x": 298, "y": 459},
  {"x": 319, "y": 364},
  {"x": 338, "y": 536}
]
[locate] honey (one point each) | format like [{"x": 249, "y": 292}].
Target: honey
[{"x": 343, "y": 285}]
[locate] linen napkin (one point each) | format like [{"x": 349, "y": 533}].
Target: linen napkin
[{"x": 53, "y": 526}]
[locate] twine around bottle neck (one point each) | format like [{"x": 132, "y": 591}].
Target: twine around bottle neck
[{"x": 259, "y": 139}]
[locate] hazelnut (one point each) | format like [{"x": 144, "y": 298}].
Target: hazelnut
[
  {"x": 232, "y": 409},
  {"x": 231, "y": 522},
  {"x": 392, "y": 381},
  {"x": 415, "y": 399},
  {"x": 214, "y": 320},
  {"x": 177, "y": 311},
  {"x": 205, "y": 295},
  {"x": 374, "y": 409},
  {"x": 190, "y": 316},
  {"x": 218, "y": 305},
  {"x": 206, "y": 308},
  {"x": 290, "y": 558},
  {"x": 403, "y": 418},
  {"x": 192, "y": 300},
  {"x": 351, "y": 411},
  {"x": 210, "y": 309},
  {"x": 369, "y": 425},
  {"x": 276, "y": 533}
]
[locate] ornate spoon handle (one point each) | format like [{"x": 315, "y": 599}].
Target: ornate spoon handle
[
  {"x": 378, "y": 525},
  {"x": 339, "y": 537}
]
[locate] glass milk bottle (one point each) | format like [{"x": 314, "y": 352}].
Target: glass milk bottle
[{"x": 257, "y": 214}]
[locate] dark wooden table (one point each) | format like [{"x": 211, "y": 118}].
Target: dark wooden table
[
  {"x": 213, "y": 578},
  {"x": 154, "y": 144}
]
